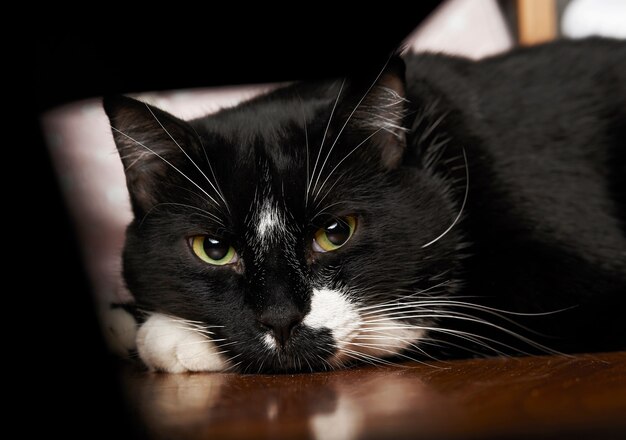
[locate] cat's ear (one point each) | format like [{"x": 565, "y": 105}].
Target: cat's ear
[
  {"x": 150, "y": 143},
  {"x": 381, "y": 114}
]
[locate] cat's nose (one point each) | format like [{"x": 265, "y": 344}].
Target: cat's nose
[{"x": 281, "y": 324}]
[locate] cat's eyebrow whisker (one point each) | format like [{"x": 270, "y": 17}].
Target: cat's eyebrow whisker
[
  {"x": 342, "y": 160},
  {"x": 188, "y": 157},
  {"x": 138, "y": 158},
  {"x": 205, "y": 213},
  {"x": 344, "y": 126},
  {"x": 319, "y": 153},
  {"x": 168, "y": 163},
  {"x": 306, "y": 139},
  {"x": 324, "y": 211},
  {"x": 329, "y": 190},
  {"x": 462, "y": 205},
  {"x": 432, "y": 127},
  {"x": 437, "y": 146},
  {"x": 206, "y": 157}
]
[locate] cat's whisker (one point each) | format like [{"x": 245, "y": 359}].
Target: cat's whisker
[
  {"x": 363, "y": 357},
  {"x": 404, "y": 296},
  {"x": 324, "y": 211},
  {"x": 402, "y": 307},
  {"x": 342, "y": 160},
  {"x": 205, "y": 214},
  {"x": 343, "y": 128},
  {"x": 168, "y": 163},
  {"x": 184, "y": 327},
  {"x": 306, "y": 141},
  {"x": 229, "y": 343},
  {"x": 386, "y": 348},
  {"x": 309, "y": 364},
  {"x": 440, "y": 343},
  {"x": 327, "y": 366},
  {"x": 230, "y": 365},
  {"x": 480, "y": 307},
  {"x": 437, "y": 146},
  {"x": 206, "y": 157},
  {"x": 447, "y": 314},
  {"x": 480, "y": 341},
  {"x": 329, "y": 190},
  {"x": 187, "y": 156},
  {"x": 138, "y": 158},
  {"x": 319, "y": 153},
  {"x": 390, "y": 336},
  {"x": 477, "y": 338},
  {"x": 443, "y": 234},
  {"x": 431, "y": 128},
  {"x": 203, "y": 341}
]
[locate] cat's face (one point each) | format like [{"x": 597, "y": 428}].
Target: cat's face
[{"x": 287, "y": 233}]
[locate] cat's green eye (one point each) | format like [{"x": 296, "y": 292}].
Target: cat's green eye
[
  {"x": 334, "y": 235},
  {"x": 212, "y": 250}
]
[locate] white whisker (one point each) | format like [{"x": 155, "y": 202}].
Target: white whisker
[
  {"x": 319, "y": 153},
  {"x": 342, "y": 160},
  {"x": 186, "y": 155},
  {"x": 168, "y": 163},
  {"x": 344, "y": 126},
  {"x": 462, "y": 205}
]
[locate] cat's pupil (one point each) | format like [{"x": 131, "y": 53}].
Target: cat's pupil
[
  {"x": 337, "y": 232},
  {"x": 215, "y": 249}
]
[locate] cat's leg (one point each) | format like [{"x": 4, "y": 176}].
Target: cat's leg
[{"x": 174, "y": 345}]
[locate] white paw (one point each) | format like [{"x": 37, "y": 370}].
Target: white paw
[
  {"x": 167, "y": 343},
  {"x": 120, "y": 330}
]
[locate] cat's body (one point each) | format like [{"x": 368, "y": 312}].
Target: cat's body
[{"x": 376, "y": 217}]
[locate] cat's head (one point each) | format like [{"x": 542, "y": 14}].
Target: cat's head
[{"x": 290, "y": 230}]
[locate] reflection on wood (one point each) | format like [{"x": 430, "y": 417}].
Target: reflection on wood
[{"x": 482, "y": 398}]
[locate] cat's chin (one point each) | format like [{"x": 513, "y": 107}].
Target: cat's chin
[{"x": 173, "y": 345}]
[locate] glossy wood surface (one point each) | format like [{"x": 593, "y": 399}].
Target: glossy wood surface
[{"x": 533, "y": 397}]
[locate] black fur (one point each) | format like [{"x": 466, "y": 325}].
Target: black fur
[{"x": 543, "y": 229}]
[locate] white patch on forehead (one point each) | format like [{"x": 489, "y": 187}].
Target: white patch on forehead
[
  {"x": 269, "y": 219},
  {"x": 175, "y": 345},
  {"x": 269, "y": 222}
]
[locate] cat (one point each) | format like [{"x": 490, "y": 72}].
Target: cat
[{"x": 433, "y": 208}]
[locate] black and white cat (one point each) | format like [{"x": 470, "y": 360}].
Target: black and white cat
[{"x": 437, "y": 207}]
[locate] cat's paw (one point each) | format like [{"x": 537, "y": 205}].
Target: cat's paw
[
  {"x": 120, "y": 330},
  {"x": 170, "y": 344}
]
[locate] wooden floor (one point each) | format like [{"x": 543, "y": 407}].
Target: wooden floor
[{"x": 533, "y": 397}]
